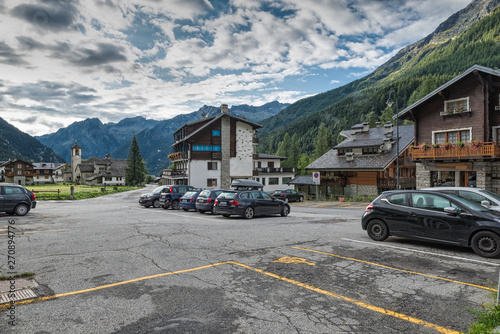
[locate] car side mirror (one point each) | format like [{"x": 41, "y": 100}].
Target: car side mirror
[
  {"x": 486, "y": 204},
  {"x": 451, "y": 211}
]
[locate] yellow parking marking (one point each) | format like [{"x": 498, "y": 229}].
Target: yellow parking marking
[
  {"x": 30, "y": 232},
  {"x": 392, "y": 268},
  {"x": 260, "y": 271},
  {"x": 41, "y": 299},
  {"x": 295, "y": 260},
  {"x": 353, "y": 301}
]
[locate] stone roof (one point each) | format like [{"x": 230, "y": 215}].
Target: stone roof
[
  {"x": 270, "y": 156},
  {"x": 302, "y": 180},
  {"x": 332, "y": 161}
]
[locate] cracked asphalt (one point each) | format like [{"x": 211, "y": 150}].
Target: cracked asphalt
[{"x": 108, "y": 265}]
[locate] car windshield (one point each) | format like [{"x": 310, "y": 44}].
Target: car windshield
[
  {"x": 189, "y": 194},
  {"x": 279, "y": 191},
  {"x": 204, "y": 193},
  {"x": 489, "y": 193},
  {"x": 227, "y": 195},
  {"x": 157, "y": 190},
  {"x": 469, "y": 204}
]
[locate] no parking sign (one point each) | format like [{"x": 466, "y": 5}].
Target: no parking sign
[{"x": 316, "y": 179}]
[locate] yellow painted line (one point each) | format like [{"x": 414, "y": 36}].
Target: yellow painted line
[
  {"x": 42, "y": 299},
  {"x": 392, "y": 268},
  {"x": 294, "y": 260},
  {"x": 353, "y": 301},
  {"x": 30, "y": 232}
]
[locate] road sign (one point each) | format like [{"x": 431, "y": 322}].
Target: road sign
[{"x": 316, "y": 178}]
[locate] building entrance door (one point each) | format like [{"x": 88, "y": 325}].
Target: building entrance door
[{"x": 468, "y": 179}]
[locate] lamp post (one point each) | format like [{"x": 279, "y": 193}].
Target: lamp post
[{"x": 390, "y": 102}]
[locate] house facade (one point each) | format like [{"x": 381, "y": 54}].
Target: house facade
[
  {"x": 269, "y": 172},
  {"x": 365, "y": 163},
  {"x": 211, "y": 152},
  {"x": 44, "y": 172},
  {"x": 19, "y": 172},
  {"x": 457, "y": 132},
  {"x": 95, "y": 170}
]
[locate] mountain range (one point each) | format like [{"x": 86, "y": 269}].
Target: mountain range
[{"x": 154, "y": 137}]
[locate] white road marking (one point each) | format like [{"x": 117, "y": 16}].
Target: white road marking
[{"x": 423, "y": 252}]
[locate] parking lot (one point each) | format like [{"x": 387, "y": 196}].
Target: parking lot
[{"x": 108, "y": 265}]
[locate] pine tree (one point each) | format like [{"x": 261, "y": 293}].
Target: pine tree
[
  {"x": 303, "y": 162},
  {"x": 322, "y": 143},
  {"x": 294, "y": 151},
  {"x": 284, "y": 147},
  {"x": 135, "y": 172}
]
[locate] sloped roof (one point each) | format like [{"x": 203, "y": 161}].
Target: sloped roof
[
  {"x": 372, "y": 137},
  {"x": 448, "y": 84},
  {"x": 332, "y": 161},
  {"x": 45, "y": 165},
  {"x": 270, "y": 156},
  {"x": 302, "y": 180}
]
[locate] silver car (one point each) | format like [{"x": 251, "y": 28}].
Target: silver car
[{"x": 484, "y": 197}]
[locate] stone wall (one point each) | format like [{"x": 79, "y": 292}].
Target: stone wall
[{"x": 226, "y": 153}]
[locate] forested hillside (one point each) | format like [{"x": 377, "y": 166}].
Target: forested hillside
[{"x": 412, "y": 73}]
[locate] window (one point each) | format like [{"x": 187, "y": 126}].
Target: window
[
  {"x": 459, "y": 105},
  {"x": 273, "y": 180},
  {"x": 108, "y": 179},
  {"x": 454, "y": 136},
  {"x": 211, "y": 182},
  {"x": 440, "y": 138},
  {"x": 216, "y": 133},
  {"x": 212, "y": 165},
  {"x": 13, "y": 190},
  {"x": 19, "y": 166},
  {"x": 430, "y": 202},
  {"x": 285, "y": 180},
  {"x": 399, "y": 199},
  {"x": 46, "y": 177},
  {"x": 206, "y": 148},
  {"x": 19, "y": 172},
  {"x": 370, "y": 150},
  {"x": 343, "y": 151},
  {"x": 270, "y": 164}
]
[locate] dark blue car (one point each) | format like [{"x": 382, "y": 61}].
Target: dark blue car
[{"x": 188, "y": 200}]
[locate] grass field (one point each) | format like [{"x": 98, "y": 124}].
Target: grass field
[{"x": 49, "y": 191}]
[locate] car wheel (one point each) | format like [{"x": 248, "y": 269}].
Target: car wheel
[
  {"x": 486, "y": 244},
  {"x": 212, "y": 211},
  {"x": 377, "y": 230},
  {"x": 301, "y": 199},
  {"x": 175, "y": 205},
  {"x": 285, "y": 210},
  {"x": 156, "y": 203},
  {"x": 249, "y": 213},
  {"x": 165, "y": 207},
  {"x": 21, "y": 209},
  {"x": 185, "y": 209},
  {"x": 147, "y": 206},
  {"x": 224, "y": 215},
  {"x": 201, "y": 211}
]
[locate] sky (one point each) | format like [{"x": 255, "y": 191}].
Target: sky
[{"x": 63, "y": 61}]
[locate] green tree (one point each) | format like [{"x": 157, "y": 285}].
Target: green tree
[
  {"x": 303, "y": 162},
  {"x": 294, "y": 151},
  {"x": 386, "y": 115},
  {"x": 322, "y": 143},
  {"x": 284, "y": 147},
  {"x": 135, "y": 172}
]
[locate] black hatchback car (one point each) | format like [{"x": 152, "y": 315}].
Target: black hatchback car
[
  {"x": 432, "y": 216},
  {"x": 16, "y": 199},
  {"x": 249, "y": 203},
  {"x": 288, "y": 195},
  {"x": 206, "y": 199}
]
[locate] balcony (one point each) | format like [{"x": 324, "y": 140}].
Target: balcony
[
  {"x": 255, "y": 140},
  {"x": 280, "y": 170},
  {"x": 391, "y": 183},
  {"x": 174, "y": 173},
  {"x": 491, "y": 150},
  {"x": 177, "y": 156}
]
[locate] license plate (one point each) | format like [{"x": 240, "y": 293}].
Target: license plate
[
  {"x": 223, "y": 203},
  {"x": 201, "y": 201}
]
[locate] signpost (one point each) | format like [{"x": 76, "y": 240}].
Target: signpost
[{"x": 316, "y": 181}]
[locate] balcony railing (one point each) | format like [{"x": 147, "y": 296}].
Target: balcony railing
[
  {"x": 391, "y": 183},
  {"x": 174, "y": 172},
  {"x": 275, "y": 170},
  {"x": 177, "y": 156},
  {"x": 485, "y": 150},
  {"x": 255, "y": 140}
]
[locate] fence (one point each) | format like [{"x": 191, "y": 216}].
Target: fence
[{"x": 58, "y": 191}]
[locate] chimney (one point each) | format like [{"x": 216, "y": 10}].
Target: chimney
[
  {"x": 202, "y": 115},
  {"x": 349, "y": 156},
  {"x": 388, "y": 129},
  {"x": 387, "y": 144},
  {"x": 223, "y": 109},
  {"x": 377, "y": 124},
  {"x": 366, "y": 127}
]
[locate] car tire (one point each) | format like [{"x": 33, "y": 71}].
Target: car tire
[
  {"x": 249, "y": 213},
  {"x": 212, "y": 211},
  {"x": 285, "y": 210},
  {"x": 175, "y": 205},
  {"x": 486, "y": 244},
  {"x": 377, "y": 230},
  {"x": 21, "y": 209},
  {"x": 224, "y": 215},
  {"x": 185, "y": 209},
  {"x": 156, "y": 203},
  {"x": 165, "y": 207},
  {"x": 201, "y": 211},
  {"x": 301, "y": 199}
]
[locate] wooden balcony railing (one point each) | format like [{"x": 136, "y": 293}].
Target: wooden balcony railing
[
  {"x": 391, "y": 183},
  {"x": 174, "y": 172},
  {"x": 177, "y": 156},
  {"x": 486, "y": 150}
]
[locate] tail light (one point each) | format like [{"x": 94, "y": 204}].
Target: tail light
[
  {"x": 171, "y": 190},
  {"x": 234, "y": 202},
  {"x": 209, "y": 200},
  {"x": 33, "y": 197},
  {"x": 216, "y": 202},
  {"x": 191, "y": 199},
  {"x": 369, "y": 208}
]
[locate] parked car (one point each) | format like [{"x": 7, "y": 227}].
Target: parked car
[
  {"x": 484, "y": 197},
  {"x": 436, "y": 217},
  {"x": 188, "y": 200},
  {"x": 170, "y": 198},
  {"x": 288, "y": 195},
  {"x": 15, "y": 199},
  {"x": 153, "y": 198},
  {"x": 206, "y": 200},
  {"x": 249, "y": 203}
]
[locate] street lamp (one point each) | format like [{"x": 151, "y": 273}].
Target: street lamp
[{"x": 390, "y": 102}]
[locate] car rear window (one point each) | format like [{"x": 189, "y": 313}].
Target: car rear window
[
  {"x": 227, "y": 195},
  {"x": 159, "y": 189},
  {"x": 204, "y": 194},
  {"x": 13, "y": 190},
  {"x": 189, "y": 194}
]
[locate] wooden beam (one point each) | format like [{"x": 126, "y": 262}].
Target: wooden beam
[{"x": 456, "y": 166}]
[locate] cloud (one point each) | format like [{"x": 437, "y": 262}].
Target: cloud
[
  {"x": 9, "y": 56},
  {"x": 52, "y": 15}
]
